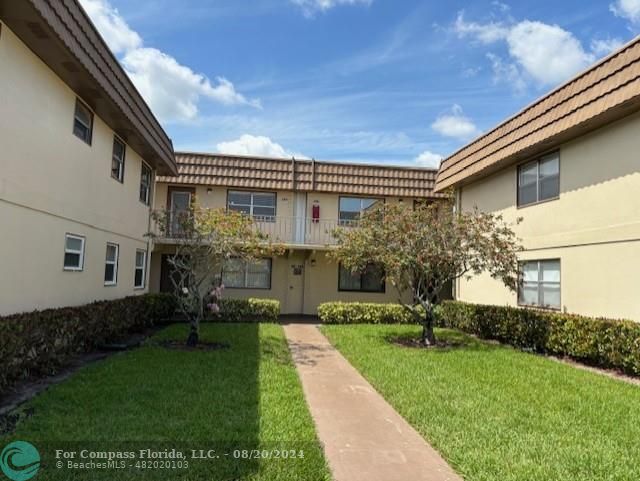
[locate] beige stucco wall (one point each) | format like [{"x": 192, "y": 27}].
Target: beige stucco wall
[
  {"x": 298, "y": 294},
  {"x": 52, "y": 183},
  {"x": 216, "y": 197},
  {"x": 330, "y": 203},
  {"x": 593, "y": 228},
  {"x": 318, "y": 234},
  {"x": 279, "y": 286},
  {"x": 321, "y": 285}
]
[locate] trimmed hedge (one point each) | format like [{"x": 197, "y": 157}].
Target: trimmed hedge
[
  {"x": 363, "y": 313},
  {"x": 41, "y": 342},
  {"x": 600, "y": 342},
  {"x": 249, "y": 310}
]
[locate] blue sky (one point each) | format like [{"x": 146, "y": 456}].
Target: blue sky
[{"x": 382, "y": 81}]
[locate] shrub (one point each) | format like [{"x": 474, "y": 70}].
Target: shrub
[
  {"x": 364, "y": 313},
  {"x": 249, "y": 310},
  {"x": 600, "y": 342},
  {"x": 41, "y": 342}
]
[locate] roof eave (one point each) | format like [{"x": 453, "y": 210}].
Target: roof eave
[
  {"x": 61, "y": 34},
  {"x": 617, "y": 113}
]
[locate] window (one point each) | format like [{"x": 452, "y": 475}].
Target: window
[
  {"x": 539, "y": 180},
  {"x": 141, "y": 267},
  {"x": 352, "y": 208},
  {"x": 260, "y": 205},
  {"x": 111, "y": 265},
  {"x": 117, "y": 160},
  {"x": 369, "y": 280},
  {"x": 73, "y": 252},
  {"x": 145, "y": 184},
  {"x": 540, "y": 285},
  {"x": 83, "y": 122},
  {"x": 240, "y": 274}
]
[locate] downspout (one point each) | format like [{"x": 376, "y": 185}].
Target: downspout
[
  {"x": 458, "y": 210},
  {"x": 150, "y": 239},
  {"x": 293, "y": 173}
]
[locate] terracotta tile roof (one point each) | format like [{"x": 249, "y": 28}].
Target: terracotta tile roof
[
  {"x": 607, "y": 91},
  {"x": 302, "y": 175}
]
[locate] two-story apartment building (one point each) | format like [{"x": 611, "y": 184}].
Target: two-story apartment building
[
  {"x": 298, "y": 203},
  {"x": 79, "y": 151},
  {"x": 569, "y": 166}
]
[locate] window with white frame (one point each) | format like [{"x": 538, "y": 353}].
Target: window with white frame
[
  {"x": 260, "y": 205},
  {"x": 141, "y": 269},
  {"x": 83, "y": 122},
  {"x": 117, "y": 159},
  {"x": 145, "y": 184},
  {"x": 73, "y": 252},
  {"x": 111, "y": 265},
  {"x": 241, "y": 274},
  {"x": 540, "y": 284},
  {"x": 352, "y": 209},
  {"x": 539, "y": 180}
]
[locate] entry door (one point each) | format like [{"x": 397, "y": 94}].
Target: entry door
[
  {"x": 295, "y": 287},
  {"x": 166, "y": 273},
  {"x": 179, "y": 204}
]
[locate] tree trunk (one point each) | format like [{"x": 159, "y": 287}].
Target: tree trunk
[
  {"x": 193, "y": 338},
  {"x": 195, "y": 318},
  {"x": 428, "y": 336}
]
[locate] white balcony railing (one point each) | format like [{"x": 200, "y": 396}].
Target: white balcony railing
[
  {"x": 300, "y": 230},
  {"x": 288, "y": 230}
]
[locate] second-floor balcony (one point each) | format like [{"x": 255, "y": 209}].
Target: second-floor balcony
[
  {"x": 300, "y": 230},
  {"x": 291, "y": 231}
]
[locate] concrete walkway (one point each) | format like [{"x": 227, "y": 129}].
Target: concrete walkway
[{"x": 364, "y": 438}]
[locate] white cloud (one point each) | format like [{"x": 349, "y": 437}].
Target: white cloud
[
  {"x": 629, "y": 9},
  {"x": 310, "y": 7},
  {"x": 455, "y": 124},
  {"x": 548, "y": 54},
  {"x": 471, "y": 72},
  {"x": 118, "y": 35},
  {"x": 507, "y": 72},
  {"x": 602, "y": 47},
  {"x": 428, "y": 159},
  {"x": 485, "y": 33},
  {"x": 257, "y": 145},
  {"x": 503, "y": 7},
  {"x": 172, "y": 90}
]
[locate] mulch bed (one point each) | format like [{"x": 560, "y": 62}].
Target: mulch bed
[
  {"x": 612, "y": 373},
  {"x": 201, "y": 346},
  {"x": 416, "y": 342},
  {"x": 24, "y": 390}
]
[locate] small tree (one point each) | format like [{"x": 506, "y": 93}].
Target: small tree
[
  {"x": 205, "y": 239},
  {"x": 426, "y": 248}
]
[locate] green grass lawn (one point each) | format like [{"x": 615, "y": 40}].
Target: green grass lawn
[
  {"x": 246, "y": 397},
  {"x": 499, "y": 414}
]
